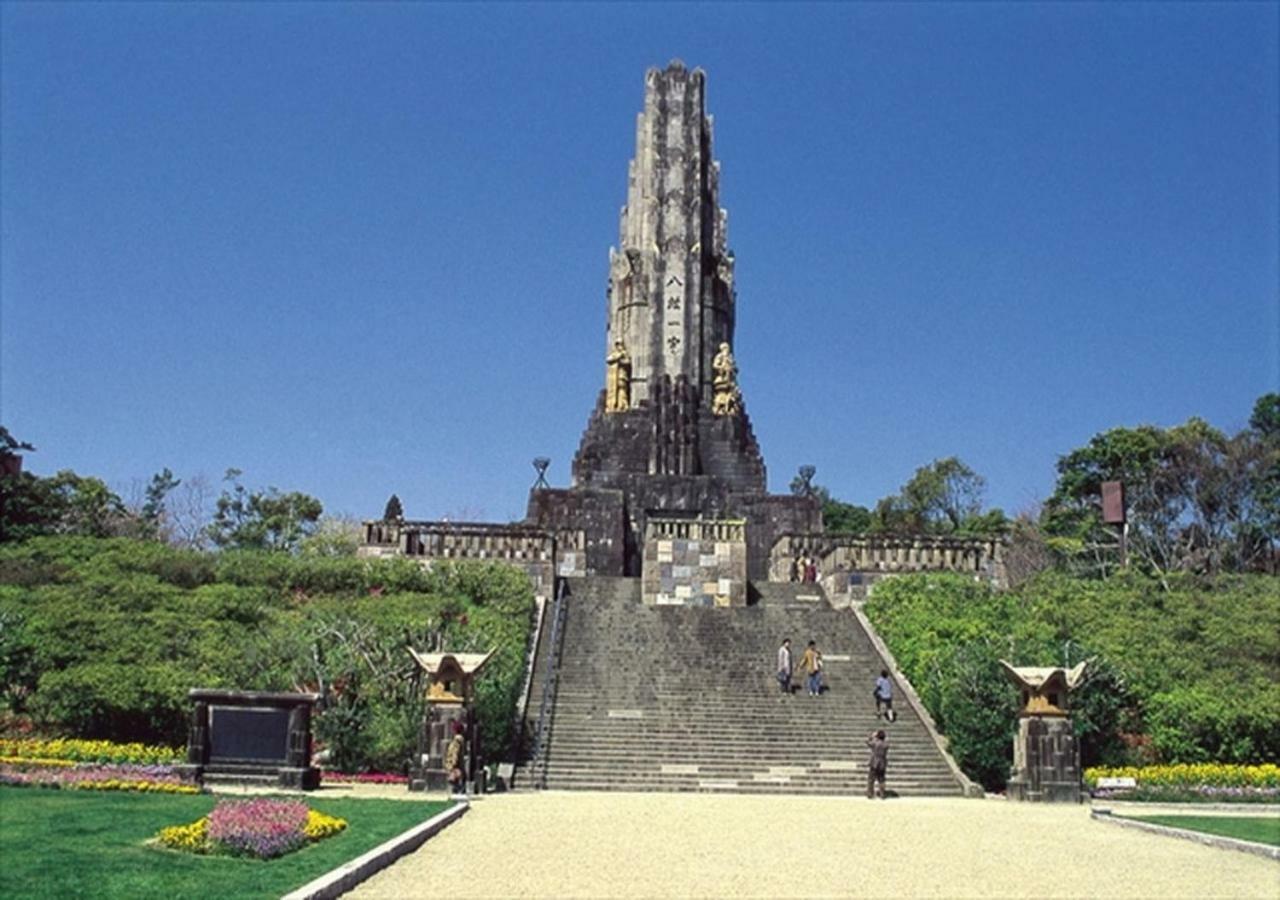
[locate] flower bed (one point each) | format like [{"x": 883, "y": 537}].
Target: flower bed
[
  {"x": 364, "y": 778},
  {"x": 262, "y": 828},
  {"x": 75, "y": 750},
  {"x": 92, "y": 776},
  {"x": 1191, "y": 782}
]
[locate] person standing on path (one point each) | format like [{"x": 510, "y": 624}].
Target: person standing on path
[
  {"x": 884, "y": 696},
  {"x": 784, "y": 666},
  {"x": 811, "y": 662},
  {"x": 877, "y": 763},
  {"x": 454, "y": 761}
]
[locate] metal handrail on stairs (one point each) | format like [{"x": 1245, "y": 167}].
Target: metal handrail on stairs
[{"x": 550, "y": 680}]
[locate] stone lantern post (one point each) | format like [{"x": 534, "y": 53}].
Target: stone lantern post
[
  {"x": 1046, "y": 755},
  {"x": 450, "y": 699}
]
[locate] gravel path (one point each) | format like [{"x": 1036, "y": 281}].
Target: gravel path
[{"x": 570, "y": 844}]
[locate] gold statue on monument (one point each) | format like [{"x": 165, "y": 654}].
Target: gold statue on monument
[
  {"x": 617, "y": 379},
  {"x": 726, "y": 399}
]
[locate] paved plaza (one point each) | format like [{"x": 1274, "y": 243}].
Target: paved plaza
[{"x": 572, "y": 844}]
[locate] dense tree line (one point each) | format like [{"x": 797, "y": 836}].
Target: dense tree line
[
  {"x": 103, "y": 637},
  {"x": 1197, "y": 500},
  {"x": 1184, "y": 671}
]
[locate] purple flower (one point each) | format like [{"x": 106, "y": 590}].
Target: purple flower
[{"x": 261, "y": 827}]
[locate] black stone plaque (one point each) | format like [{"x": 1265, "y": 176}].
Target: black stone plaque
[{"x": 260, "y": 734}]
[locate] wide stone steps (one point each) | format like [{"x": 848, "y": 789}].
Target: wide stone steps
[
  {"x": 850, "y": 786},
  {"x": 760, "y": 729},
  {"x": 723, "y": 748},
  {"x": 915, "y": 770},
  {"x": 683, "y": 699},
  {"x": 759, "y": 775}
]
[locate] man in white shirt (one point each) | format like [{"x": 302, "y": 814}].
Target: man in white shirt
[{"x": 784, "y": 666}]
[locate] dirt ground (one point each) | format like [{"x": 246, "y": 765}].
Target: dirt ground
[{"x": 571, "y": 844}]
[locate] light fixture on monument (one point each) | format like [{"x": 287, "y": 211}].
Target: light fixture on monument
[{"x": 540, "y": 464}]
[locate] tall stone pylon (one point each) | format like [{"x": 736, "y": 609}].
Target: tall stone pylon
[
  {"x": 671, "y": 298},
  {"x": 669, "y": 437}
]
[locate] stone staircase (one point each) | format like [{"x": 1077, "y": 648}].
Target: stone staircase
[{"x": 684, "y": 699}]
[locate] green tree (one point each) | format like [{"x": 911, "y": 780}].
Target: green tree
[
  {"x": 393, "y": 509},
  {"x": 944, "y": 497},
  {"x": 262, "y": 520},
  {"x": 153, "y": 510},
  {"x": 839, "y": 517},
  {"x": 334, "y": 536},
  {"x": 1196, "y": 498},
  {"x": 1265, "y": 419}
]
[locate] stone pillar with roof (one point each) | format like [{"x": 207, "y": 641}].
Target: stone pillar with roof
[
  {"x": 1046, "y": 754},
  {"x": 450, "y": 701}
]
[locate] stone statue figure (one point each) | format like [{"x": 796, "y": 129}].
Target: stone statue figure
[
  {"x": 726, "y": 398},
  {"x": 617, "y": 380}
]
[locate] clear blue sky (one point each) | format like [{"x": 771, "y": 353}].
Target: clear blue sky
[{"x": 357, "y": 249}]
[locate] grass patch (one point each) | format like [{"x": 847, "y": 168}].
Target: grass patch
[
  {"x": 81, "y": 843},
  {"x": 1260, "y": 829}
]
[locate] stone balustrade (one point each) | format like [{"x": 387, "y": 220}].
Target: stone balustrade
[
  {"x": 538, "y": 551},
  {"x": 849, "y": 562},
  {"x": 696, "y": 529}
]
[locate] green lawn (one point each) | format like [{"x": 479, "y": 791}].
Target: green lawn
[
  {"x": 89, "y": 844},
  {"x": 1262, "y": 829}
]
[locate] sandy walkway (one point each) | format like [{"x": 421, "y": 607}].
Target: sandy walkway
[{"x": 565, "y": 844}]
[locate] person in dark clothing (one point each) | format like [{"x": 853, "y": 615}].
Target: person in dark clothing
[{"x": 877, "y": 763}]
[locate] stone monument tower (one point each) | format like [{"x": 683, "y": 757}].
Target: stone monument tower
[
  {"x": 669, "y": 438},
  {"x": 668, "y": 482},
  {"x": 671, "y": 283}
]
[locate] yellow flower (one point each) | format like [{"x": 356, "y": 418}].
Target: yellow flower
[
  {"x": 193, "y": 838},
  {"x": 320, "y": 826}
]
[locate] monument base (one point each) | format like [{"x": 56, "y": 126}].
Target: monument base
[
  {"x": 288, "y": 777},
  {"x": 428, "y": 772},
  {"x": 1046, "y": 761},
  {"x": 1045, "y": 792}
]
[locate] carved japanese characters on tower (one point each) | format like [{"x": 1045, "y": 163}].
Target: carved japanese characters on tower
[
  {"x": 726, "y": 398},
  {"x": 671, "y": 296},
  {"x": 617, "y": 379}
]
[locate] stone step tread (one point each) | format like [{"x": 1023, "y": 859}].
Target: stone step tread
[
  {"x": 761, "y": 788},
  {"x": 757, "y": 777}
]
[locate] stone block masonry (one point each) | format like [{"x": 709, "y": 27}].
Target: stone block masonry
[{"x": 695, "y": 562}]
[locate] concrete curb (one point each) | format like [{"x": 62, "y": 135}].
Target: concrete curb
[
  {"x": 1212, "y": 840},
  {"x": 967, "y": 786},
  {"x": 1166, "y": 807},
  {"x": 348, "y": 875}
]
